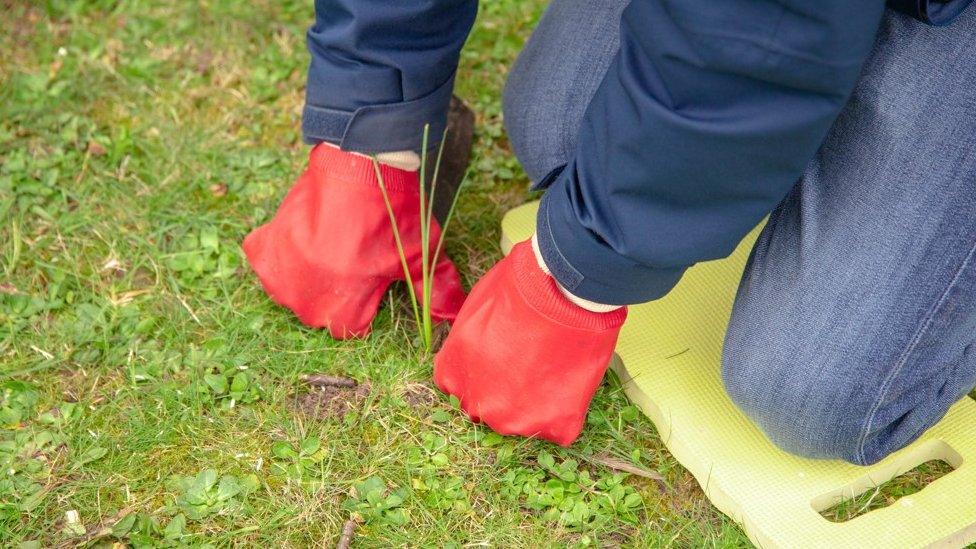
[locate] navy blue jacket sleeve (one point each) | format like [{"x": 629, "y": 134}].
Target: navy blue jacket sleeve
[
  {"x": 706, "y": 118},
  {"x": 381, "y": 70}
]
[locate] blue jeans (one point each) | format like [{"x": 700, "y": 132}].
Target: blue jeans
[{"x": 854, "y": 325}]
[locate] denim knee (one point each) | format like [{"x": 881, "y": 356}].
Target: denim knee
[
  {"x": 554, "y": 78},
  {"x": 808, "y": 415},
  {"x": 832, "y": 405},
  {"x": 533, "y": 123},
  {"x": 853, "y": 330}
]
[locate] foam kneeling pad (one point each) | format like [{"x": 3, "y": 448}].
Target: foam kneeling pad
[{"x": 669, "y": 363}]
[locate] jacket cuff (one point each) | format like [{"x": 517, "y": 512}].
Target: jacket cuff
[
  {"x": 380, "y": 128},
  {"x": 585, "y": 265},
  {"x": 540, "y": 292}
]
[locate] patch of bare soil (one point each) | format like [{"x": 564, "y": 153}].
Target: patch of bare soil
[
  {"x": 76, "y": 385},
  {"x": 619, "y": 538},
  {"x": 419, "y": 396},
  {"x": 441, "y": 329},
  {"x": 331, "y": 401}
]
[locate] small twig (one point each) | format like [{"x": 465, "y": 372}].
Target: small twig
[
  {"x": 42, "y": 352},
  {"x": 188, "y": 309},
  {"x": 348, "y": 530},
  {"x": 322, "y": 380},
  {"x": 84, "y": 165},
  {"x": 621, "y": 465}
]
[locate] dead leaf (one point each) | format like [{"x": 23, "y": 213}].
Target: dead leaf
[
  {"x": 55, "y": 68},
  {"x": 73, "y": 524},
  {"x": 114, "y": 266},
  {"x": 126, "y": 297},
  {"x": 96, "y": 149},
  {"x": 218, "y": 189},
  {"x": 205, "y": 61}
]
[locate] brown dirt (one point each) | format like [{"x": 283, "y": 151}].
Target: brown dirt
[
  {"x": 419, "y": 396},
  {"x": 687, "y": 495},
  {"x": 619, "y": 538},
  {"x": 330, "y": 402},
  {"x": 441, "y": 330},
  {"x": 75, "y": 384}
]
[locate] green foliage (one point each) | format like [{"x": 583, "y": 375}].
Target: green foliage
[
  {"x": 141, "y": 530},
  {"x": 297, "y": 462},
  {"x": 153, "y": 363},
  {"x": 200, "y": 255},
  {"x": 94, "y": 453},
  {"x": 139, "y": 143},
  {"x": 17, "y": 402},
  {"x": 428, "y": 257},
  {"x": 566, "y": 493},
  {"x": 432, "y": 480},
  {"x": 229, "y": 386},
  {"x": 29, "y": 447},
  {"x": 203, "y": 495},
  {"x": 447, "y": 493},
  {"x": 374, "y": 502},
  {"x": 32, "y": 185},
  {"x": 25, "y": 458}
]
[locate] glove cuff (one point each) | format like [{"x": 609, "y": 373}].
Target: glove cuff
[
  {"x": 327, "y": 160},
  {"x": 541, "y": 292}
]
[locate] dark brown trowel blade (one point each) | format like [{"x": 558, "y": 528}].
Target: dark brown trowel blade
[{"x": 457, "y": 155}]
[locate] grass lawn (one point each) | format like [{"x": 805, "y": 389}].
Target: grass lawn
[
  {"x": 150, "y": 394},
  {"x": 150, "y": 387}
]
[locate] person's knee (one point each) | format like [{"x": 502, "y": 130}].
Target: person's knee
[
  {"x": 811, "y": 410},
  {"x": 821, "y": 405},
  {"x": 533, "y": 123},
  {"x": 858, "y": 399}
]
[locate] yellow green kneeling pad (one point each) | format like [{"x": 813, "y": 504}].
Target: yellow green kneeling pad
[{"x": 670, "y": 352}]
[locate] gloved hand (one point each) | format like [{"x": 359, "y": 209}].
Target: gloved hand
[
  {"x": 521, "y": 357},
  {"x": 329, "y": 253}
]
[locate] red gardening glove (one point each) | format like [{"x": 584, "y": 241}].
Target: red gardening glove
[
  {"x": 329, "y": 253},
  {"x": 521, "y": 357}
]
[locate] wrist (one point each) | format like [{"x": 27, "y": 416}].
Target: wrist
[
  {"x": 402, "y": 160},
  {"x": 578, "y": 301}
]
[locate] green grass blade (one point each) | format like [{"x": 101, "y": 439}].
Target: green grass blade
[
  {"x": 429, "y": 283},
  {"x": 399, "y": 243},
  {"x": 437, "y": 171},
  {"x": 427, "y": 330},
  {"x": 447, "y": 222}
]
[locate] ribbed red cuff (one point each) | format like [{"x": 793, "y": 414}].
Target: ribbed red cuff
[
  {"x": 349, "y": 167},
  {"x": 541, "y": 292}
]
